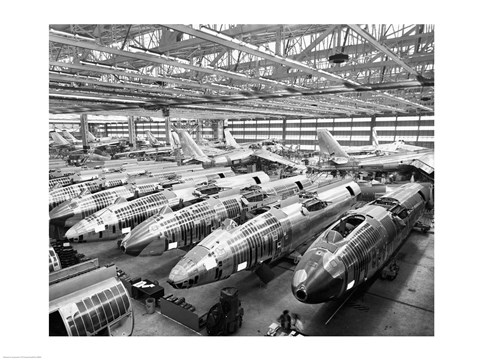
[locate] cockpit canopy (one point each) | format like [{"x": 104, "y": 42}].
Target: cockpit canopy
[
  {"x": 386, "y": 202},
  {"x": 208, "y": 189},
  {"x": 348, "y": 224},
  {"x": 315, "y": 205},
  {"x": 306, "y": 194},
  {"x": 254, "y": 196}
]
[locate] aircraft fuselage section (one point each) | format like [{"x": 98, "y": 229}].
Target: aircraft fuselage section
[
  {"x": 354, "y": 248},
  {"x": 268, "y": 236}
]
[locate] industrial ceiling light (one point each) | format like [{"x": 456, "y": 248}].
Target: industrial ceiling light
[{"x": 338, "y": 58}]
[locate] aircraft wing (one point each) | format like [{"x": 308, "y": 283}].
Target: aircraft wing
[
  {"x": 211, "y": 151},
  {"x": 425, "y": 163},
  {"x": 146, "y": 151},
  {"x": 105, "y": 144},
  {"x": 267, "y": 155},
  {"x": 358, "y": 149}
]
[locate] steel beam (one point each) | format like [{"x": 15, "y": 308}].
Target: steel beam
[
  {"x": 160, "y": 59},
  {"x": 232, "y": 43},
  {"x": 102, "y": 70},
  {"x": 315, "y": 42},
  {"x": 383, "y": 49},
  {"x": 268, "y": 55}
]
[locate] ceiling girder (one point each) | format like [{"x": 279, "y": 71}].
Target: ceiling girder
[
  {"x": 383, "y": 49},
  {"x": 165, "y": 61}
]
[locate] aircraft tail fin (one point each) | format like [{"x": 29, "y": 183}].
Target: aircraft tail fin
[
  {"x": 189, "y": 147},
  {"x": 230, "y": 140},
  {"x": 59, "y": 139},
  {"x": 69, "y": 136},
  {"x": 174, "y": 139},
  {"x": 151, "y": 138},
  {"x": 90, "y": 136},
  {"x": 375, "y": 142},
  {"x": 330, "y": 147}
]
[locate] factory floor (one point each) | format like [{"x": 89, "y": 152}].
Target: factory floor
[{"x": 402, "y": 307}]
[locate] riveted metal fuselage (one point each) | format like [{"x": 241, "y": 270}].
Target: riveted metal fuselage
[
  {"x": 266, "y": 237},
  {"x": 190, "y": 225},
  {"x": 354, "y": 248}
]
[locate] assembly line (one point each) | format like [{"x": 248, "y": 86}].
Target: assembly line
[
  {"x": 241, "y": 179},
  {"x": 226, "y": 222}
]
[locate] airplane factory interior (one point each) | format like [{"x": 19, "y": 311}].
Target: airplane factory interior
[{"x": 241, "y": 180}]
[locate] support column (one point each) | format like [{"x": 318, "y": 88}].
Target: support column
[
  {"x": 166, "y": 115},
  {"x": 105, "y": 129},
  {"x": 373, "y": 123},
  {"x": 132, "y": 136},
  {"x": 284, "y": 130},
  {"x": 167, "y": 131},
  {"x": 83, "y": 131},
  {"x": 220, "y": 127}
]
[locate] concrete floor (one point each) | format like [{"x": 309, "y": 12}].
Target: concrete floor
[{"x": 404, "y": 306}]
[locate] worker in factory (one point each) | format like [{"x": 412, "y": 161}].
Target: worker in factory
[
  {"x": 285, "y": 320},
  {"x": 297, "y": 323}
]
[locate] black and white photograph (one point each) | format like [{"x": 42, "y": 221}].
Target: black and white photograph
[
  {"x": 202, "y": 173},
  {"x": 238, "y": 179}
]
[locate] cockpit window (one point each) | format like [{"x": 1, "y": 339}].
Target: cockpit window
[
  {"x": 400, "y": 211},
  {"x": 385, "y": 202},
  {"x": 347, "y": 225},
  {"x": 253, "y": 197},
  {"x": 315, "y": 205}
]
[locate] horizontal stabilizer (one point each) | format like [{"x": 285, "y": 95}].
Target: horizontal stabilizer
[{"x": 339, "y": 160}]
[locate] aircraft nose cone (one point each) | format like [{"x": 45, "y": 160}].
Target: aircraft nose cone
[
  {"x": 137, "y": 240},
  {"x": 80, "y": 228},
  {"x": 178, "y": 277},
  {"x": 71, "y": 234},
  {"x": 61, "y": 212},
  {"x": 319, "y": 286}
]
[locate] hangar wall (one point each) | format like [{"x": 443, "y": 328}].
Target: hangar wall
[{"x": 416, "y": 130}]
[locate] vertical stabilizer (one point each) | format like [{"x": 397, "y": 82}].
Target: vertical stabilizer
[
  {"x": 151, "y": 138},
  {"x": 174, "y": 139},
  {"x": 91, "y": 137},
  {"x": 189, "y": 147},
  {"x": 58, "y": 139},
  {"x": 69, "y": 137},
  {"x": 230, "y": 140},
  {"x": 330, "y": 147}
]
